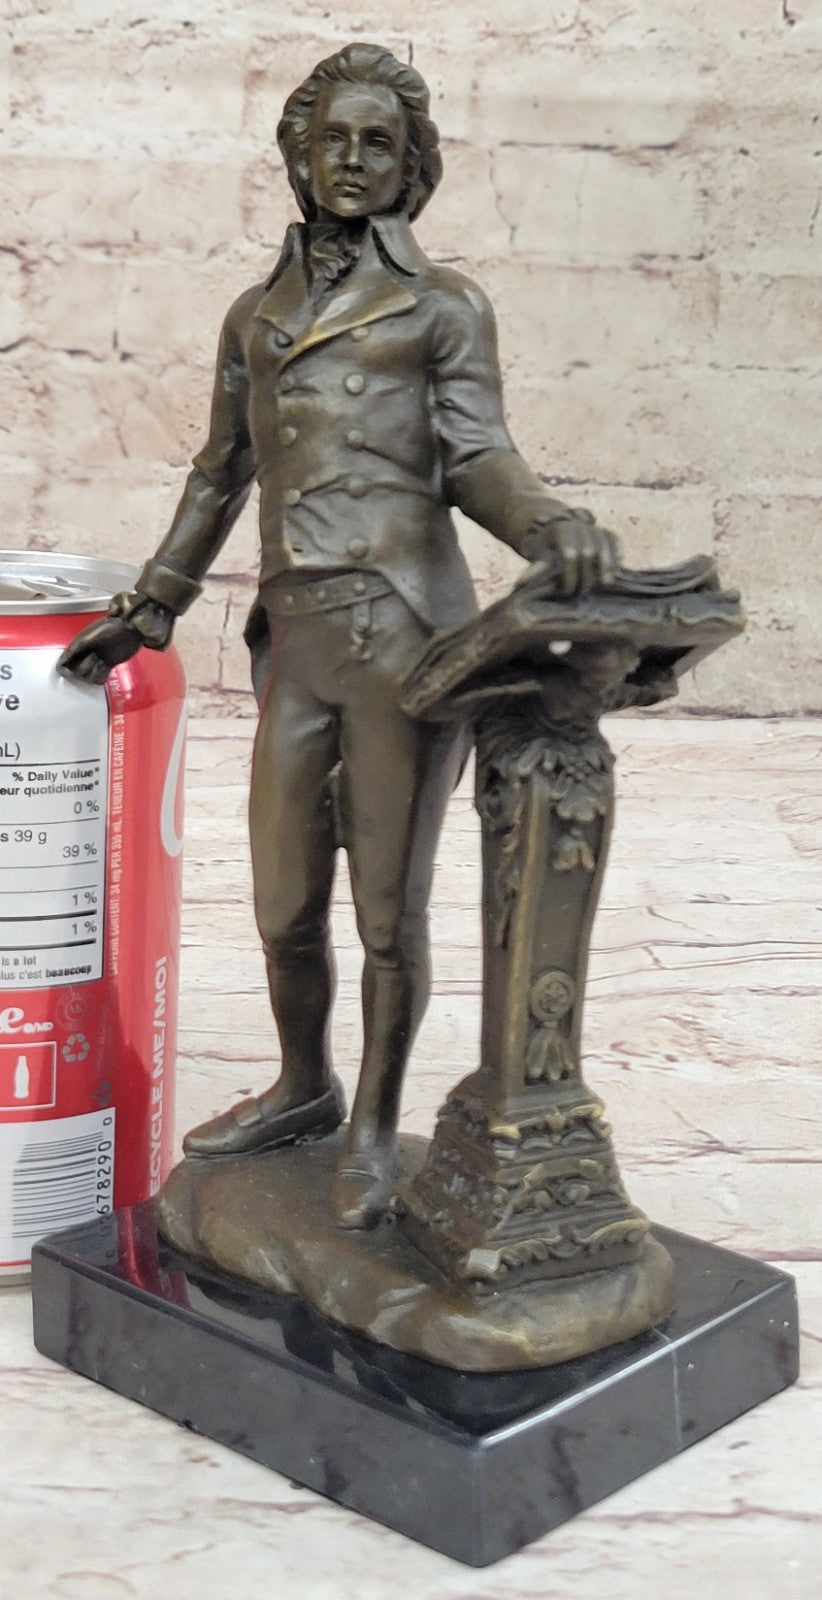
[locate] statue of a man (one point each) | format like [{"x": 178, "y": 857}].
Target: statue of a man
[{"x": 359, "y": 384}]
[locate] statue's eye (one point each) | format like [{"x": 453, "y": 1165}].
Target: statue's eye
[{"x": 332, "y": 137}]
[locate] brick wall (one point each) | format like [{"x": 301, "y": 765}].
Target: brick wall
[{"x": 637, "y": 187}]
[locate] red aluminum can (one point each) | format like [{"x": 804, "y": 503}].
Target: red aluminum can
[{"x": 90, "y": 889}]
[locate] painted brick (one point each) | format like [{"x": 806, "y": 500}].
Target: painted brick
[
  {"x": 556, "y": 94},
  {"x": 773, "y": 322},
  {"x": 466, "y": 207},
  {"x": 744, "y": 425},
  {"x": 764, "y": 210},
  {"x": 71, "y": 302},
  {"x": 12, "y": 314},
  {"x": 107, "y": 203},
  {"x": 98, "y": 413},
  {"x": 766, "y": 546},
  {"x": 23, "y": 392},
  {"x": 148, "y": 86},
  {"x": 268, "y": 205},
  {"x": 760, "y": 99},
  {"x": 695, "y": 425},
  {"x": 173, "y": 311},
  {"x": 552, "y": 317},
  {"x": 18, "y": 492},
  {"x": 594, "y": 206},
  {"x": 584, "y": 428},
  {"x": 117, "y": 507},
  {"x": 726, "y": 26}
]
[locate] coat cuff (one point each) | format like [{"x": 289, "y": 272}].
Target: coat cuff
[{"x": 168, "y": 587}]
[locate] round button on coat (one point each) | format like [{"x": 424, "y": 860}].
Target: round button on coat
[
  {"x": 282, "y": 339},
  {"x": 357, "y": 487},
  {"x": 359, "y": 334},
  {"x": 355, "y": 438},
  {"x": 288, "y": 435},
  {"x": 355, "y": 383},
  {"x": 292, "y": 497},
  {"x": 358, "y": 548}
]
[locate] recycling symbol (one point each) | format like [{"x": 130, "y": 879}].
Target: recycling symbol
[{"x": 76, "y": 1047}]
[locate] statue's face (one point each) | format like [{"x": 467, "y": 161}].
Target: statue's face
[{"x": 357, "y": 150}]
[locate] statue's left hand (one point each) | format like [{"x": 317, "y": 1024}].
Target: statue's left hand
[{"x": 588, "y": 554}]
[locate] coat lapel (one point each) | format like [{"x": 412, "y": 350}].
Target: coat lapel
[
  {"x": 286, "y": 303},
  {"x": 368, "y": 294}
]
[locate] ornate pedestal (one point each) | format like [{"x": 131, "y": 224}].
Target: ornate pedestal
[{"x": 520, "y": 1184}]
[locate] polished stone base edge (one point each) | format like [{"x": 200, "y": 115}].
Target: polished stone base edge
[{"x": 473, "y": 1465}]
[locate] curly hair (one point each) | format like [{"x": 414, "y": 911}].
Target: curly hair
[{"x": 365, "y": 63}]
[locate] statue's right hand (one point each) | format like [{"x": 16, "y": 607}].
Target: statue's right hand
[
  {"x": 133, "y": 620},
  {"x": 99, "y": 647}
]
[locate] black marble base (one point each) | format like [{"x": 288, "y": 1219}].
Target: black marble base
[{"x": 472, "y": 1465}]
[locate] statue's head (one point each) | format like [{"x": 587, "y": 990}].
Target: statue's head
[{"x": 357, "y": 138}]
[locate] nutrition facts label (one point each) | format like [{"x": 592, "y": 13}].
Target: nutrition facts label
[{"x": 53, "y": 797}]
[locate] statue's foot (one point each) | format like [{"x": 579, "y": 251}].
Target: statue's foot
[
  {"x": 361, "y": 1188},
  {"x": 265, "y": 1121}
]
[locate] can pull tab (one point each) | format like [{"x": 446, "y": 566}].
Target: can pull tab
[
  {"x": 35, "y": 589},
  {"x": 20, "y": 591}
]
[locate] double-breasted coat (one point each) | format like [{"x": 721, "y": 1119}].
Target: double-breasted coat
[
  {"x": 364, "y": 419},
  {"x": 363, "y": 422}
]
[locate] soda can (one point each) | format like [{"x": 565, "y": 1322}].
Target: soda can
[{"x": 90, "y": 890}]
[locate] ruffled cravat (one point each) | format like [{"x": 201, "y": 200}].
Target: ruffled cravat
[{"x": 333, "y": 248}]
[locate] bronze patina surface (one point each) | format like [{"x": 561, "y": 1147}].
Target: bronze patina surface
[
  {"x": 359, "y": 384},
  {"x": 269, "y": 1221}
]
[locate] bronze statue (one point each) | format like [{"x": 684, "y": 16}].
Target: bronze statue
[{"x": 359, "y": 384}]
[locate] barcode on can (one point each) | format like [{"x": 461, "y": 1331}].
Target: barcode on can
[{"x": 55, "y": 1174}]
